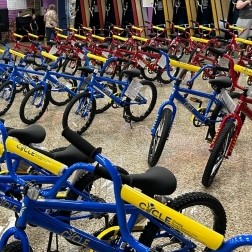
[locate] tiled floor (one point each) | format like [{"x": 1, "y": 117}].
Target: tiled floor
[{"x": 185, "y": 154}]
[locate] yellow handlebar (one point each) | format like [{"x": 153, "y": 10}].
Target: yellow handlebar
[
  {"x": 183, "y": 65},
  {"x": 195, "y": 39},
  {"x": 98, "y": 37},
  {"x": 87, "y": 28},
  {"x": 242, "y": 69},
  {"x": 244, "y": 41},
  {"x": 96, "y": 57},
  {"x": 33, "y": 35},
  {"x": 120, "y": 38},
  {"x": 235, "y": 28},
  {"x": 17, "y": 35},
  {"x": 158, "y": 28},
  {"x": 140, "y": 38},
  {"x": 49, "y": 56},
  {"x": 58, "y": 29},
  {"x": 205, "y": 28},
  {"x": 20, "y": 55},
  {"x": 1, "y": 51},
  {"x": 179, "y": 27},
  {"x": 137, "y": 28},
  {"x": 118, "y": 28},
  {"x": 73, "y": 29},
  {"x": 80, "y": 36},
  {"x": 61, "y": 36}
]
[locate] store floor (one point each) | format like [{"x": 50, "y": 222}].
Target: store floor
[{"x": 185, "y": 154}]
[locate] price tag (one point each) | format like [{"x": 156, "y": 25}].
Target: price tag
[
  {"x": 105, "y": 54},
  {"x": 141, "y": 63},
  {"x": 227, "y": 100},
  {"x": 53, "y": 50},
  {"x": 133, "y": 89},
  {"x": 81, "y": 55},
  {"x": 162, "y": 61}
]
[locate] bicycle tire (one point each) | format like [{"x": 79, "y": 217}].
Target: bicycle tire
[
  {"x": 59, "y": 98},
  {"x": 79, "y": 100},
  {"x": 219, "y": 112},
  {"x": 86, "y": 183},
  {"x": 163, "y": 76},
  {"x": 15, "y": 246},
  {"x": 160, "y": 137},
  {"x": 7, "y": 96},
  {"x": 218, "y": 153},
  {"x": 177, "y": 50},
  {"x": 183, "y": 203},
  {"x": 138, "y": 112},
  {"x": 71, "y": 65},
  {"x": 36, "y": 92},
  {"x": 145, "y": 71}
]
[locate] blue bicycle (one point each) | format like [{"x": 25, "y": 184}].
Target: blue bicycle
[
  {"x": 202, "y": 116},
  {"x": 40, "y": 208}
]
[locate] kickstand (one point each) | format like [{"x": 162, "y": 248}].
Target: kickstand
[
  {"x": 127, "y": 118},
  {"x": 49, "y": 247}
]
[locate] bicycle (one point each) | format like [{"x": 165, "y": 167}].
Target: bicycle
[
  {"x": 224, "y": 141},
  {"x": 137, "y": 98},
  {"x": 162, "y": 216},
  {"x": 204, "y": 116}
]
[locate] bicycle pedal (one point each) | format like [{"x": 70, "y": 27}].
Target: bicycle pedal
[{"x": 195, "y": 99}]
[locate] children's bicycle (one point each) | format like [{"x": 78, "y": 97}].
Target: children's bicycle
[
  {"x": 224, "y": 141},
  {"x": 173, "y": 229},
  {"x": 203, "y": 116}
]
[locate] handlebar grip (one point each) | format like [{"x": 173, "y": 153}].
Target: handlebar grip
[
  {"x": 20, "y": 55},
  {"x": 87, "y": 28},
  {"x": 233, "y": 27},
  {"x": 1, "y": 51},
  {"x": 49, "y": 56},
  {"x": 157, "y": 28},
  {"x": 118, "y": 28},
  {"x": 205, "y": 28},
  {"x": 98, "y": 37},
  {"x": 120, "y": 38},
  {"x": 80, "y": 143}
]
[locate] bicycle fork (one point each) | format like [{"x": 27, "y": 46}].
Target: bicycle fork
[{"x": 235, "y": 135}]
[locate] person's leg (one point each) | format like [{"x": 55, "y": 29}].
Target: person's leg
[
  {"x": 48, "y": 34},
  {"x": 244, "y": 23}
]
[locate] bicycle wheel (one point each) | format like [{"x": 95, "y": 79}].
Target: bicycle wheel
[
  {"x": 34, "y": 105},
  {"x": 147, "y": 73},
  {"x": 163, "y": 76},
  {"x": 176, "y": 50},
  {"x": 7, "y": 96},
  {"x": 161, "y": 135},
  {"x": 95, "y": 189},
  {"x": 71, "y": 65},
  {"x": 60, "y": 97},
  {"x": 219, "y": 112},
  {"x": 199, "y": 206},
  {"x": 15, "y": 246},
  {"x": 218, "y": 153},
  {"x": 79, "y": 113},
  {"x": 138, "y": 111}
]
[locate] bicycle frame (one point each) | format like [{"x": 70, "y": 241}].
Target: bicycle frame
[{"x": 177, "y": 96}]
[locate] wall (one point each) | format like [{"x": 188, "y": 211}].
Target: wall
[{"x": 30, "y": 4}]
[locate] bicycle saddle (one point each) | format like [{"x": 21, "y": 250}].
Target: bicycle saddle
[
  {"x": 156, "y": 180},
  {"x": 220, "y": 82},
  {"x": 218, "y": 51},
  {"x": 132, "y": 72},
  {"x": 68, "y": 156},
  {"x": 32, "y": 134}
]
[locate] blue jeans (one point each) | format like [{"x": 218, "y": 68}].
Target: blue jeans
[{"x": 50, "y": 33}]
